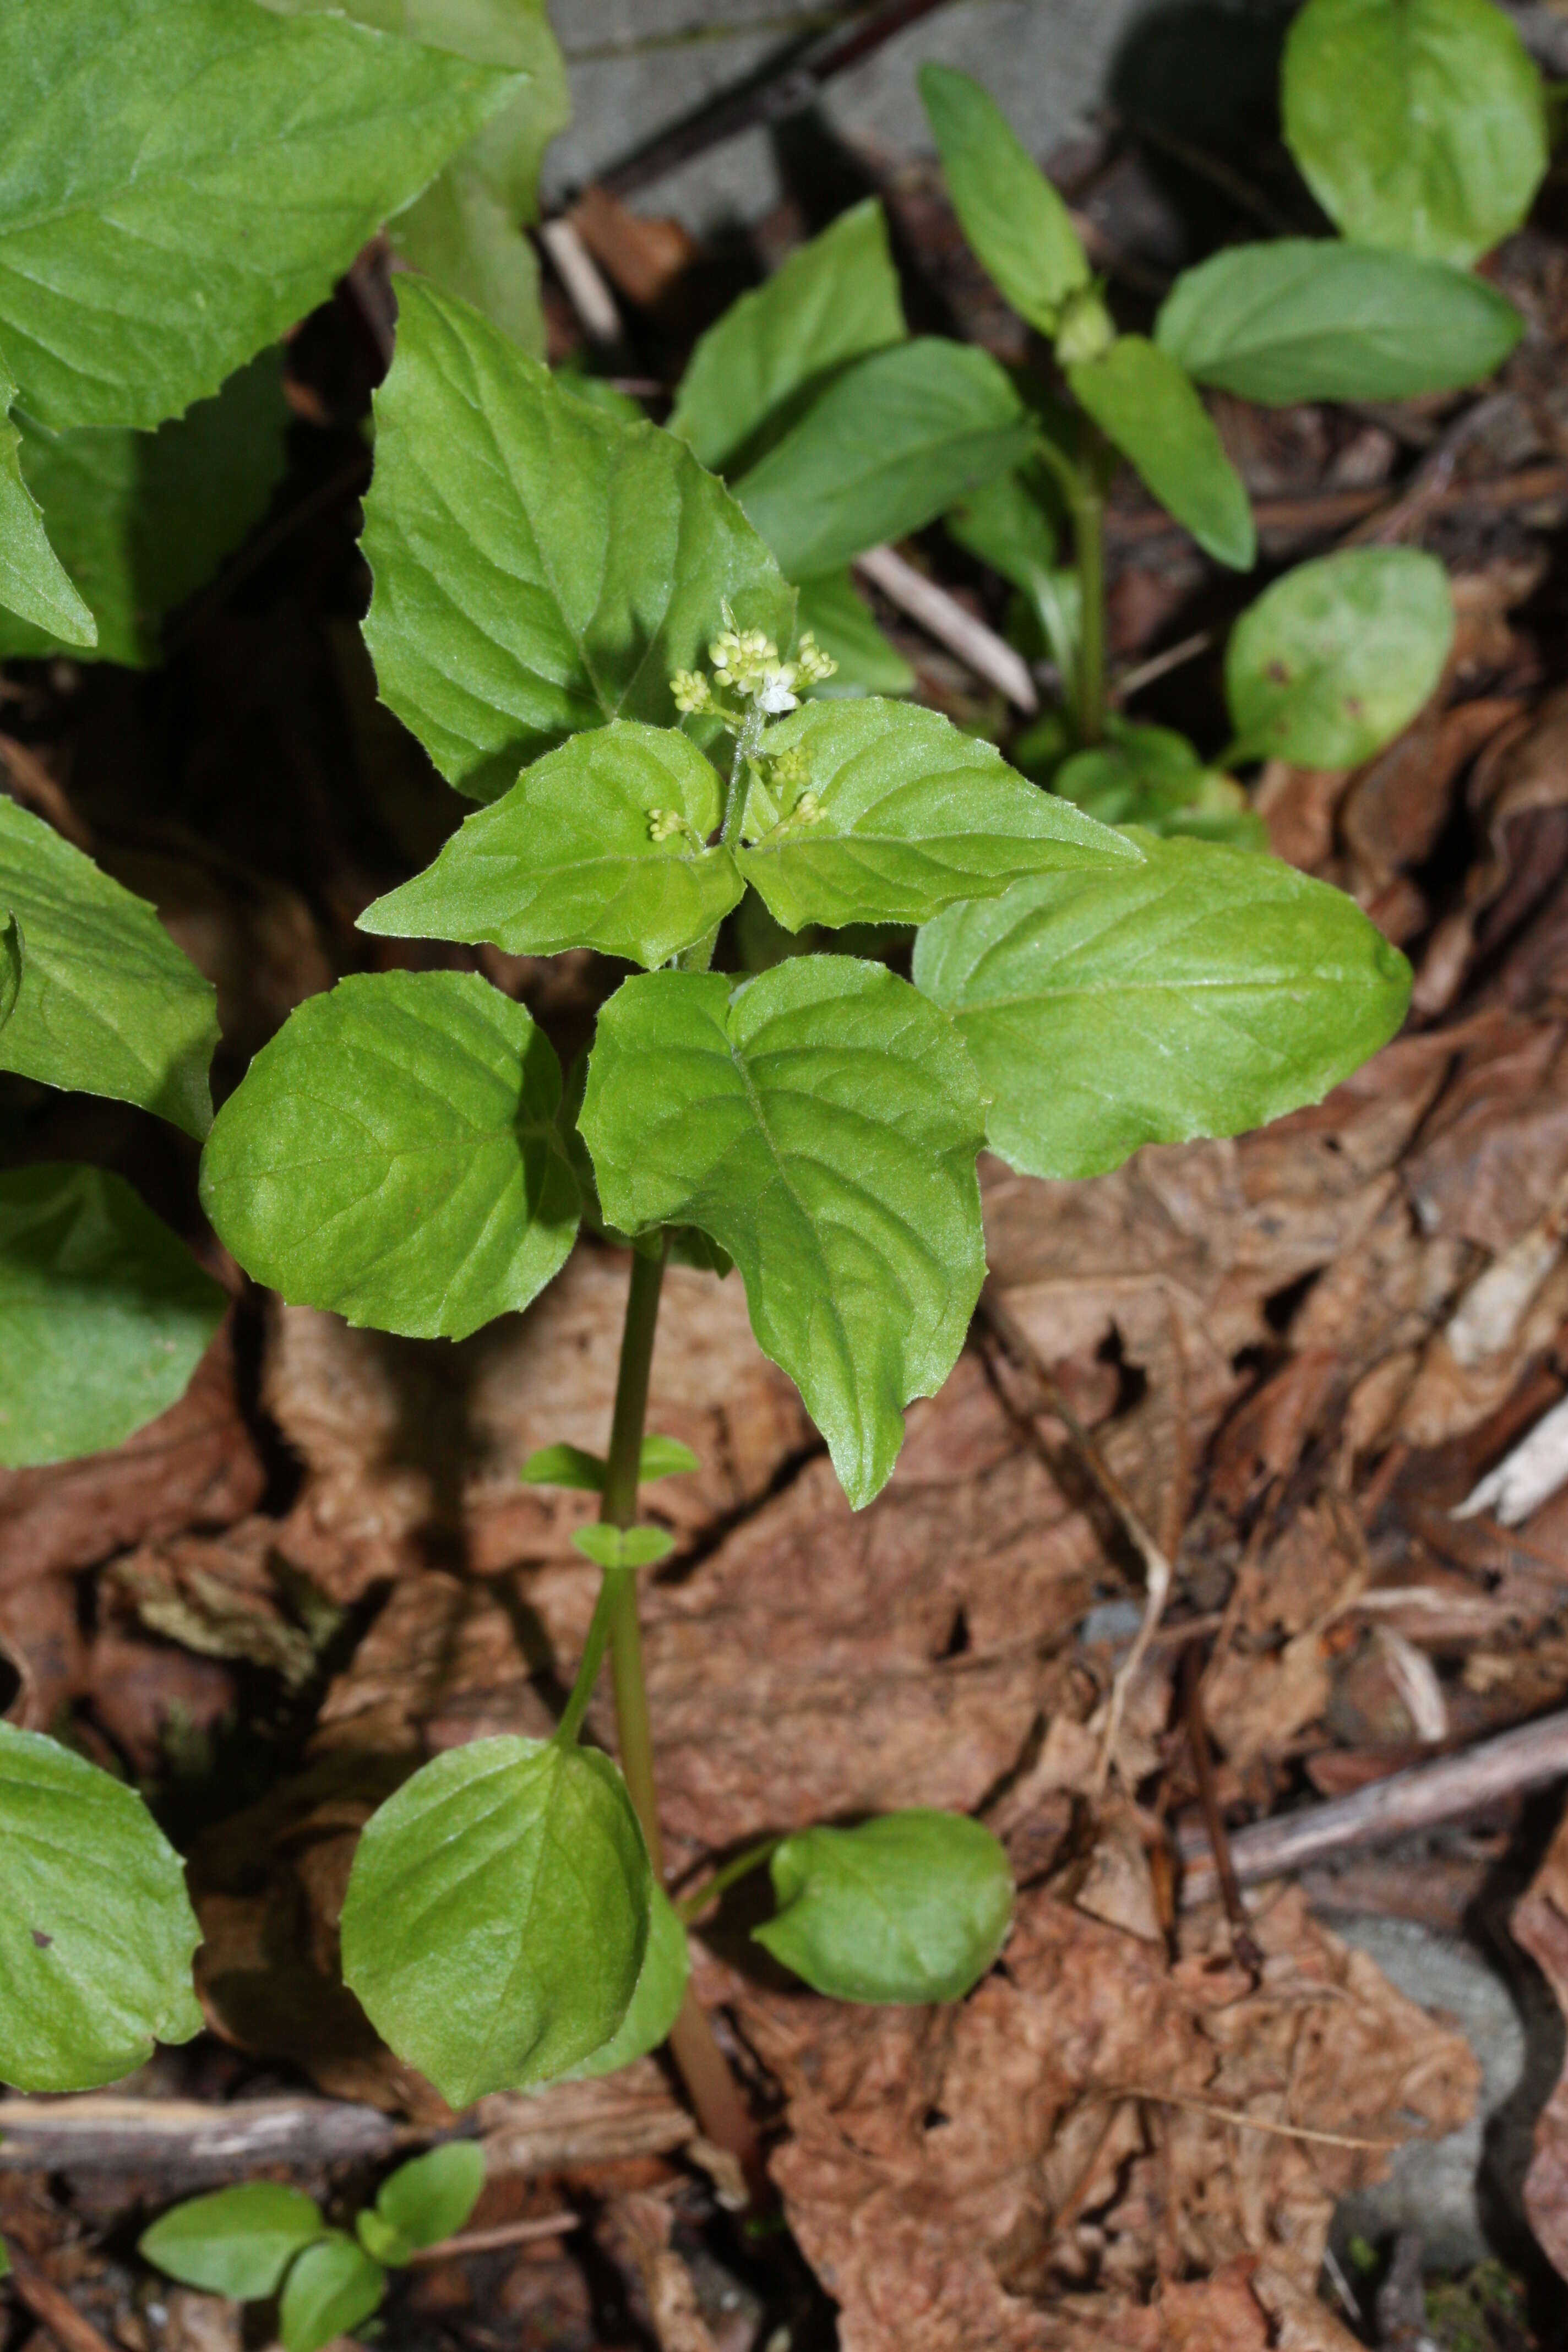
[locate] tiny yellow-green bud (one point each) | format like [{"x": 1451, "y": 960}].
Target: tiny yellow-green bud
[
  {"x": 1086, "y": 331},
  {"x": 691, "y": 691},
  {"x": 812, "y": 665}
]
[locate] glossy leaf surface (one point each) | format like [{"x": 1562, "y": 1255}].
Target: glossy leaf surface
[
  {"x": 1418, "y": 124},
  {"x": 835, "y": 300},
  {"x": 1204, "y": 993},
  {"x": 497, "y": 1914},
  {"x": 1014, "y": 218},
  {"x": 821, "y": 1125},
  {"x": 1144, "y": 402},
  {"x": 907, "y": 815},
  {"x": 239, "y": 2241},
  {"x": 1308, "y": 318},
  {"x": 185, "y": 179},
  {"x": 104, "y": 1314},
  {"x": 333, "y": 2288},
  {"x": 96, "y": 1929},
  {"x": 912, "y": 1907},
  {"x": 892, "y": 442},
  {"x": 655, "y": 2004},
  {"x": 392, "y": 1155},
  {"x": 589, "y": 565},
  {"x": 601, "y": 844},
  {"x": 1336, "y": 657},
  {"x": 108, "y": 1004}
]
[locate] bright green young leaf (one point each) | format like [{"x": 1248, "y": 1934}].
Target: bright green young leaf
[
  {"x": 141, "y": 520},
  {"x": 893, "y": 443},
  {"x": 1418, "y": 124},
  {"x": 1144, "y": 402},
  {"x": 1336, "y": 657},
  {"x": 108, "y": 1003},
  {"x": 34, "y": 586},
  {"x": 96, "y": 1929},
  {"x": 237, "y": 2242},
  {"x": 539, "y": 567},
  {"x": 185, "y": 179},
  {"x": 601, "y": 844},
  {"x": 833, "y": 300},
  {"x": 821, "y": 1125},
  {"x": 1204, "y": 993},
  {"x": 498, "y": 1913},
  {"x": 381, "y": 2241},
  {"x": 655, "y": 2004},
  {"x": 665, "y": 1457},
  {"x": 570, "y": 1465},
  {"x": 1310, "y": 318},
  {"x": 642, "y": 1547},
  {"x": 104, "y": 1315},
  {"x": 392, "y": 1155},
  {"x": 1151, "y": 776},
  {"x": 894, "y": 814},
  {"x": 1010, "y": 213},
  {"x": 835, "y": 613},
  {"x": 431, "y": 2195},
  {"x": 912, "y": 1907},
  {"x": 333, "y": 2288}
]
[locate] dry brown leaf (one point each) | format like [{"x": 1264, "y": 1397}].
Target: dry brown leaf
[{"x": 1541, "y": 1924}]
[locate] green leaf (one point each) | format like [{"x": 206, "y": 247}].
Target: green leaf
[
  {"x": 104, "y": 1315},
  {"x": 10, "y": 967},
  {"x": 1144, "y": 402},
  {"x": 1151, "y": 776},
  {"x": 1204, "y": 993},
  {"x": 1306, "y": 319},
  {"x": 912, "y": 1907},
  {"x": 566, "y": 1465},
  {"x": 600, "y": 845},
  {"x": 1418, "y": 124},
  {"x": 142, "y": 520},
  {"x": 431, "y": 2195},
  {"x": 1338, "y": 657},
  {"x": 833, "y": 300},
  {"x": 392, "y": 1155},
  {"x": 185, "y": 179},
  {"x": 333, "y": 2288},
  {"x": 641, "y": 1547},
  {"x": 1010, "y": 213},
  {"x": 838, "y": 616},
  {"x": 907, "y": 815},
  {"x": 96, "y": 1929},
  {"x": 1005, "y": 524},
  {"x": 108, "y": 1003},
  {"x": 5, "y": 2260},
  {"x": 540, "y": 566},
  {"x": 665, "y": 1457},
  {"x": 655, "y": 2004},
  {"x": 821, "y": 1125},
  {"x": 498, "y": 1913},
  {"x": 33, "y": 583},
  {"x": 893, "y": 443},
  {"x": 381, "y": 2241},
  {"x": 237, "y": 2242}
]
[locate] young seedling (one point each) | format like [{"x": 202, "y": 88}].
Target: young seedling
[{"x": 263, "y": 2240}]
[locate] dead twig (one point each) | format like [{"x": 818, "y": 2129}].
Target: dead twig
[
  {"x": 1134, "y": 681},
  {"x": 944, "y": 618},
  {"x": 487, "y": 2242},
  {"x": 1333, "y": 511},
  {"x": 584, "y": 284},
  {"x": 54, "y": 2309},
  {"x": 105, "y": 2132},
  {"x": 1241, "y": 1943},
  {"x": 1244, "y": 2122}
]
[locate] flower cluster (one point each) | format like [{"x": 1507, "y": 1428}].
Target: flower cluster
[{"x": 746, "y": 662}]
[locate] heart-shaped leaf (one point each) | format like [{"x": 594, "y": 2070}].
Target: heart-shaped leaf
[
  {"x": 392, "y": 1155},
  {"x": 1143, "y": 400},
  {"x": 912, "y": 1907},
  {"x": 821, "y": 1125},
  {"x": 1338, "y": 657},
  {"x": 1010, "y": 213},
  {"x": 237, "y": 2242},
  {"x": 498, "y": 1913}
]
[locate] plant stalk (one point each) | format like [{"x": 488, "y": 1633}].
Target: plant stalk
[{"x": 1088, "y": 504}]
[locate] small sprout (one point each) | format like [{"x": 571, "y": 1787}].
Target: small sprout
[
  {"x": 811, "y": 664},
  {"x": 691, "y": 691},
  {"x": 1086, "y": 331}
]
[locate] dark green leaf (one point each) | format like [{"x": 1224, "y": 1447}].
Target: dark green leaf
[
  {"x": 894, "y": 814},
  {"x": 333, "y": 2288},
  {"x": 1418, "y": 124},
  {"x": 821, "y": 1125},
  {"x": 1203, "y": 994},
  {"x": 539, "y": 567},
  {"x": 1338, "y": 657},
  {"x": 392, "y": 1155},
  {"x": 912, "y": 1907},
  {"x": 96, "y": 1929},
  {"x": 186, "y": 178},
  {"x": 108, "y": 1003},
  {"x": 237, "y": 2242},
  {"x": 642, "y": 1547},
  {"x": 893, "y": 442},
  {"x": 1142, "y": 400},
  {"x": 1006, "y": 525},
  {"x": 600, "y": 845},
  {"x": 141, "y": 520},
  {"x": 1009, "y": 211},
  {"x": 1309, "y": 320},
  {"x": 655, "y": 2004},
  {"x": 34, "y": 584},
  {"x": 431, "y": 2195},
  {"x": 104, "y": 1315},
  {"x": 835, "y": 613},
  {"x": 498, "y": 1913},
  {"x": 833, "y": 300}
]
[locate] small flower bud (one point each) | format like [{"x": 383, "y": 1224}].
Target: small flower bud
[
  {"x": 812, "y": 665},
  {"x": 808, "y": 809},
  {"x": 663, "y": 823},
  {"x": 690, "y": 689},
  {"x": 790, "y": 769},
  {"x": 1086, "y": 331}
]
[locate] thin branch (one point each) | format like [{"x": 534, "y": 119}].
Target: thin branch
[
  {"x": 1134, "y": 681},
  {"x": 486, "y": 2242},
  {"x": 1241, "y": 1942},
  {"x": 1244, "y": 2122},
  {"x": 54, "y": 2309},
  {"x": 585, "y": 287},
  {"x": 944, "y": 618}
]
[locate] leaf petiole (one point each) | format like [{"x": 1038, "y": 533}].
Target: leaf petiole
[{"x": 691, "y": 1907}]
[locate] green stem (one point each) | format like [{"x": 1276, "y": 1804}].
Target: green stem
[
  {"x": 748, "y": 742},
  {"x": 569, "y": 1728},
  {"x": 1088, "y": 503},
  {"x": 692, "y": 1908}
]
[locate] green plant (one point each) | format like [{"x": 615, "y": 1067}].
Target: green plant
[{"x": 251, "y": 2242}]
